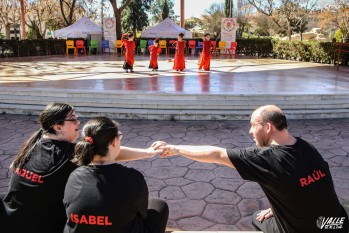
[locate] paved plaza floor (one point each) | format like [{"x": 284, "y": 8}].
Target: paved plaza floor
[{"x": 200, "y": 196}]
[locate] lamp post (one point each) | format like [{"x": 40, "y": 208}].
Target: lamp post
[
  {"x": 102, "y": 18},
  {"x": 182, "y": 14},
  {"x": 23, "y": 19}
]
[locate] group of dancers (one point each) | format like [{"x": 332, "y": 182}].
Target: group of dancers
[{"x": 155, "y": 50}]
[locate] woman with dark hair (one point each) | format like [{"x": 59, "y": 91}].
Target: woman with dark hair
[
  {"x": 154, "y": 51},
  {"x": 40, "y": 171},
  {"x": 179, "y": 60},
  {"x": 130, "y": 46},
  {"x": 104, "y": 196},
  {"x": 34, "y": 201},
  {"x": 205, "y": 57}
]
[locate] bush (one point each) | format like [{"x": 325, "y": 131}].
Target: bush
[
  {"x": 22, "y": 48},
  {"x": 322, "y": 52}
]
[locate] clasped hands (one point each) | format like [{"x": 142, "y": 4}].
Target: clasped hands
[{"x": 160, "y": 147}]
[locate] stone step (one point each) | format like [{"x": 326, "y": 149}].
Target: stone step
[
  {"x": 173, "y": 114},
  {"x": 170, "y": 106},
  {"x": 134, "y": 95},
  {"x": 248, "y": 103}
]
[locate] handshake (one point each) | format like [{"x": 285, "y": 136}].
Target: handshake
[{"x": 162, "y": 148}]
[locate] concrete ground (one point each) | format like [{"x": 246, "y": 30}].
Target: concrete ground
[{"x": 200, "y": 196}]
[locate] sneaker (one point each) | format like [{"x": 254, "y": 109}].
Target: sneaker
[
  {"x": 132, "y": 71},
  {"x": 126, "y": 71}
]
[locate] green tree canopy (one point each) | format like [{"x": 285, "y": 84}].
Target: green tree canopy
[
  {"x": 192, "y": 22},
  {"x": 228, "y": 8},
  {"x": 134, "y": 18},
  {"x": 212, "y": 18},
  {"x": 165, "y": 11},
  {"x": 157, "y": 8}
]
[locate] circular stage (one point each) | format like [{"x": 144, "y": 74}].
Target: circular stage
[{"x": 97, "y": 85}]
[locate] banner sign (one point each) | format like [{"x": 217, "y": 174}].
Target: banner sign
[
  {"x": 109, "y": 31},
  {"x": 228, "y": 30}
]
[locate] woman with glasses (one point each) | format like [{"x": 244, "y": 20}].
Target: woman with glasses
[
  {"x": 104, "y": 196},
  {"x": 40, "y": 171}
]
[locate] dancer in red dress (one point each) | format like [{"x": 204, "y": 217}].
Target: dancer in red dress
[
  {"x": 130, "y": 46},
  {"x": 205, "y": 57},
  {"x": 179, "y": 60},
  {"x": 154, "y": 51}
]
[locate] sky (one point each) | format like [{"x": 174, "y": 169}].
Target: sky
[
  {"x": 198, "y": 7},
  {"x": 194, "y": 7}
]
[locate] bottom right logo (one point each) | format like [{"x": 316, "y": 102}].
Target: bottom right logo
[{"x": 330, "y": 222}]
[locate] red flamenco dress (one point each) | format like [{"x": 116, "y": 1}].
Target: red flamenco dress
[
  {"x": 154, "y": 53},
  {"x": 129, "y": 54},
  {"x": 205, "y": 57},
  {"x": 179, "y": 60}
]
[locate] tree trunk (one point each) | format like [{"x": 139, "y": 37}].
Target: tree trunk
[
  {"x": 68, "y": 20},
  {"x": 289, "y": 30},
  {"x": 8, "y": 31},
  {"x": 34, "y": 33},
  {"x": 118, "y": 25},
  {"x": 117, "y": 14}
]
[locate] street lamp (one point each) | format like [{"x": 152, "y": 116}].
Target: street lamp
[
  {"x": 102, "y": 18},
  {"x": 23, "y": 19},
  {"x": 182, "y": 14}
]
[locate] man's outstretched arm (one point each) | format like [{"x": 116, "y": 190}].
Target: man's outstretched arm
[{"x": 206, "y": 154}]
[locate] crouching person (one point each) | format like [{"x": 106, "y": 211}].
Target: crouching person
[
  {"x": 104, "y": 196},
  {"x": 292, "y": 173}
]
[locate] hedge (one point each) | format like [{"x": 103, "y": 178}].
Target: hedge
[
  {"x": 321, "y": 52},
  {"x": 23, "y": 48}
]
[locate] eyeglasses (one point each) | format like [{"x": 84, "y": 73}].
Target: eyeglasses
[
  {"x": 120, "y": 135},
  {"x": 74, "y": 120}
]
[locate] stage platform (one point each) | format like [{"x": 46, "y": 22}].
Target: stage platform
[{"x": 98, "y": 85}]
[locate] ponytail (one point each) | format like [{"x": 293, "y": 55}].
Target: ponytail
[
  {"x": 24, "y": 153},
  {"x": 83, "y": 153},
  {"x": 98, "y": 133}
]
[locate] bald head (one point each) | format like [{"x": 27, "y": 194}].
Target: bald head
[{"x": 271, "y": 114}]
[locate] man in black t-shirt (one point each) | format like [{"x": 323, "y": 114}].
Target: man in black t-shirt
[{"x": 292, "y": 173}]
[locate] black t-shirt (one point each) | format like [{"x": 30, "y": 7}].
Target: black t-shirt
[
  {"x": 298, "y": 184},
  {"x": 34, "y": 201},
  {"x": 106, "y": 198}
]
